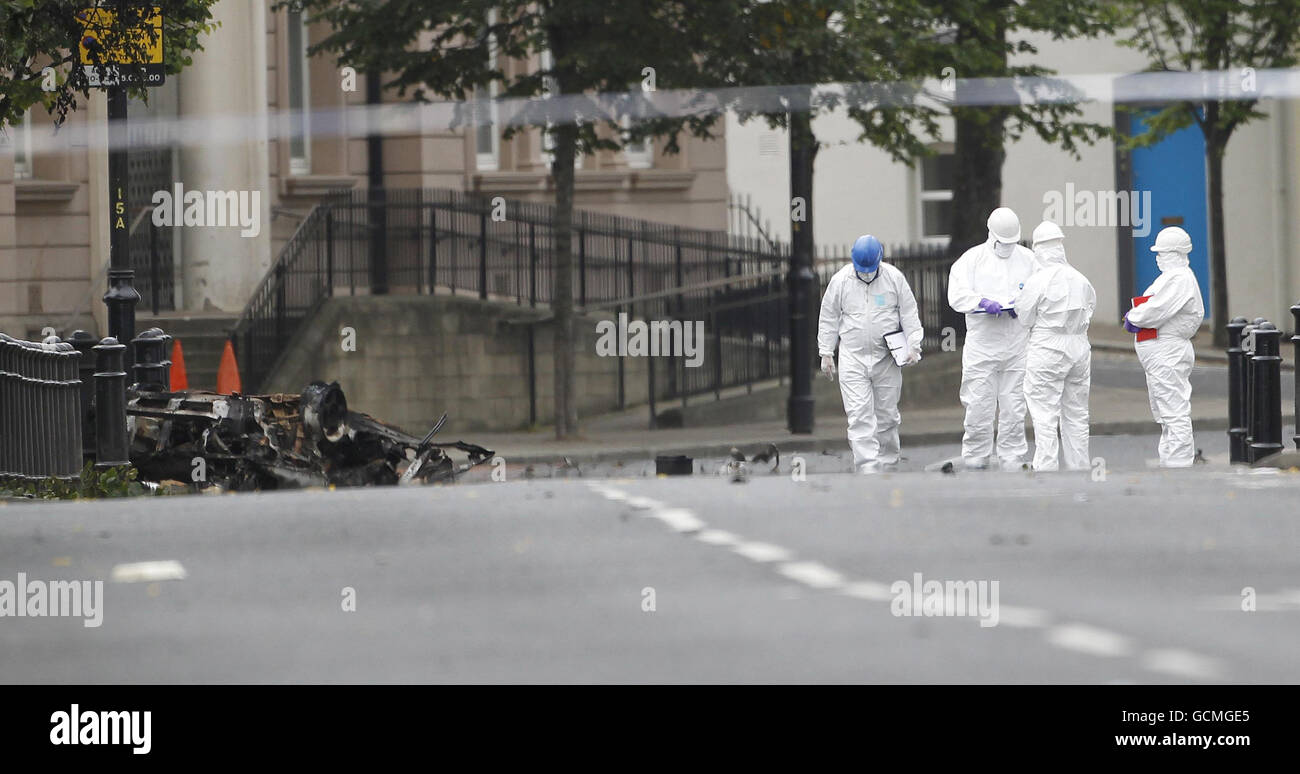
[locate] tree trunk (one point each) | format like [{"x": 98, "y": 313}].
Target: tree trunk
[
  {"x": 979, "y": 154},
  {"x": 803, "y": 280},
  {"x": 565, "y": 352},
  {"x": 1214, "y": 149}
]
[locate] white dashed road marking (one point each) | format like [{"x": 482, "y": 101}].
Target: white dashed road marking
[
  {"x": 762, "y": 552},
  {"x": 1090, "y": 640},
  {"x": 148, "y": 572},
  {"x": 1182, "y": 663},
  {"x": 717, "y": 537},
  {"x": 1077, "y": 637},
  {"x": 814, "y": 574},
  {"x": 869, "y": 590}
]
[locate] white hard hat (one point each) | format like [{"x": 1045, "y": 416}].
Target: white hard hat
[
  {"x": 1046, "y": 232},
  {"x": 1172, "y": 240},
  {"x": 1004, "y": 225}
]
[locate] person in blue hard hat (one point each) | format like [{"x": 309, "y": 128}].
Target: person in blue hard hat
[{"x": 865, "y": 302}]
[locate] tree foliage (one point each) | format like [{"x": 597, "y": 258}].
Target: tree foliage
[{"x": 40, "y": 34}]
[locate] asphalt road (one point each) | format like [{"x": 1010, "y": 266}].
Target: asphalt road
[{"x": 1134, "y": 578}]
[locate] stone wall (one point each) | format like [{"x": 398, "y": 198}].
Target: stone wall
[{"x": 418, "y": 356}]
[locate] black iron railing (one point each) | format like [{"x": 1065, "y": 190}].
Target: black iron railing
[
  {"x": 418, "y": 241},
  {"x": 40, "y": 409}
]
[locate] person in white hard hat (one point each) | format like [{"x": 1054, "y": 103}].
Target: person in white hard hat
[
  {"x": 1174, "y": 309},
  {"x": 1056, "y": 306},
  {"x": 982, "y": 284}
]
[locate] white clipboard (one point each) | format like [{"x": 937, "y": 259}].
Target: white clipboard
[{"x": 898, "y": 346}]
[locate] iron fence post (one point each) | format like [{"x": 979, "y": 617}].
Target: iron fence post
[
  {"x": 532, "y": 264},
  {"x": 482, "y": 255}
]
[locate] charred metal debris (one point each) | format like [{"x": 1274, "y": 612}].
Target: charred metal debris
[{"x": 281, "y": 441}]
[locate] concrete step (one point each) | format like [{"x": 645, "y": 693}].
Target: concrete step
[{"x": 203, "y": 339}]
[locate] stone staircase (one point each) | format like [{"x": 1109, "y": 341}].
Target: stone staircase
[{"x": 203, "y": 337}]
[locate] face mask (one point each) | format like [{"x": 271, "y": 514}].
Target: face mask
[
  {"x": 1170, "y": 260},
  {"x": 1003, "y": 249},
  {"x": 1048, "y": 254},
  {"x": 868, "y": 276}
]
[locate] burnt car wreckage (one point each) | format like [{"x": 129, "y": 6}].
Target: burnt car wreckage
[{"x": 279, "y": 441}]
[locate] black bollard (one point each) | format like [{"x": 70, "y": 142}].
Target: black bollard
[
  {"x": 85, "y": 344},
  {"x": 1266, "y": 422},
  {"x": 1295, "y": 340},
  {"x": 1248, "y": 397},
  {"x": 152, "y": 369},
  {"x": 1236, "y": 392},
  {"x": 110, "y": 405}
]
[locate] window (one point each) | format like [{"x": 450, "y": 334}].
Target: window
[
  {"x": 22, "y": 141},
  {"x": 487, "y": 141},
  {"x": 640, "y": 155},
  {"x": 936, "y": 194},
  {"x": 299, "y": 96}
]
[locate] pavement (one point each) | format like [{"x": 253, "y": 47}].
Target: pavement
[
  {"x": 1118, "y": 406},
  {"x": 1121, "y": 574}
]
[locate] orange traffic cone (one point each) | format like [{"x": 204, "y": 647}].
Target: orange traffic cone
[
  {"x": 179, "y": 379},
  {"x": 228, "y": 372}
]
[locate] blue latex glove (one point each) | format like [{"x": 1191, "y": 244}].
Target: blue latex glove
[
  {"x": 1012, "y": 312},
  {"x": 990, "y": 306},
  {"x": 1130, "y": 327}
]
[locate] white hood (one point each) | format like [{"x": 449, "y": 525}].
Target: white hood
[{"x": 1171, "y": 260}]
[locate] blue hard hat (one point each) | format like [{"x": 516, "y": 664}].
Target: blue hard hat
[{"x": 867, "y": 252}]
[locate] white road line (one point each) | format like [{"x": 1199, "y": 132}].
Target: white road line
[
  {"x": 1182, "y": 663},
  {"x": 1090, "y": 640},
  {"x": 717, "y": 537},
  {"x": 869, "y": 590},
  {"x": 148, "y": 572},
  {"x": 1022, "y": 617},
  {"x": 762, "y": 552},
  {"x": 814, "y": 574},
  {"x": 678, "y": 519}
]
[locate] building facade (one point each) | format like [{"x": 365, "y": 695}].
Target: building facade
[{"x": 292, "y": 140}]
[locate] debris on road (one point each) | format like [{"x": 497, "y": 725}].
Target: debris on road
[{"x": 281, "y": 441}]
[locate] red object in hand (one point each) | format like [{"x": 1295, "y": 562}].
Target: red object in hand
[{"x": 1144, "y": 334}]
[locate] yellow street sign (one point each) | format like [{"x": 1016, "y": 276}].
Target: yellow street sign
[{"x": 145, "y": 38}]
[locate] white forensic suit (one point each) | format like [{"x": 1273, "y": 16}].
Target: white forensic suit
[
  {"x": 856, "y": 314},
  {"x": 993, "y": 359},
  {"x": 1176, "y": 312},
  {"x": 1056, "y": 307}
]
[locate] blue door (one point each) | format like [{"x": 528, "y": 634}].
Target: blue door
[{"x": 1173, "y": 171}]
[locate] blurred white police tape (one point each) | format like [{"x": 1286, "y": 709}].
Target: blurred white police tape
[{"x": 406, "y": 118}]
